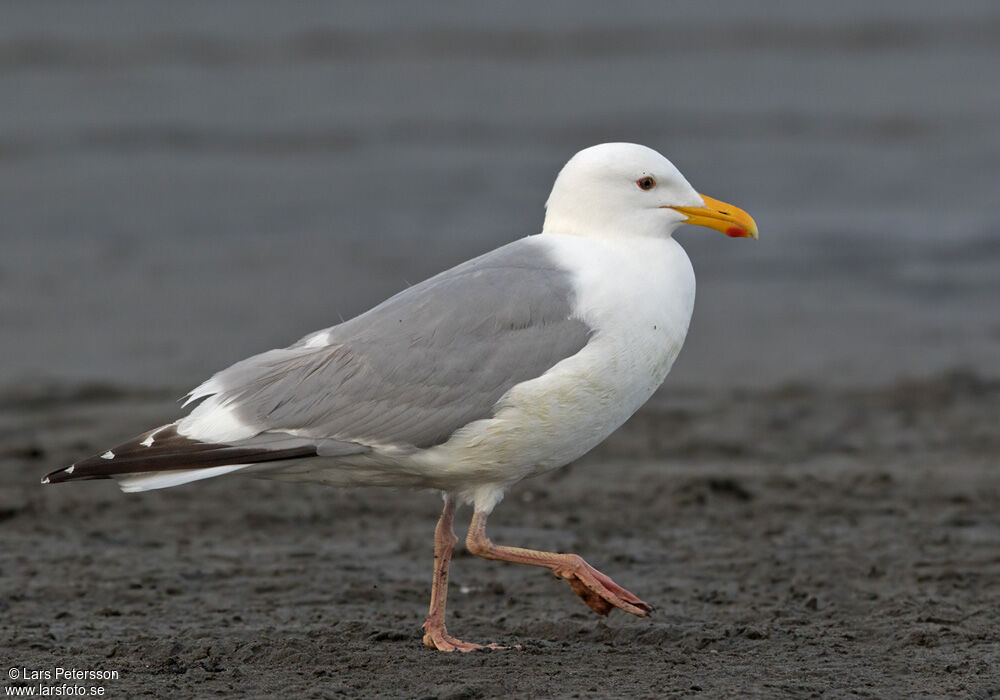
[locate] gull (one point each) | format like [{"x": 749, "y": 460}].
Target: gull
[{"x": 506, "y": 366}]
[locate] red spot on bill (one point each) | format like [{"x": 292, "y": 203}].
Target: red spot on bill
[{"x": 736, "y": 232}]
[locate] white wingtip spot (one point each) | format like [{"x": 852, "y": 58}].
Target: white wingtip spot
[
  {"x": 148, "y": 442},
  {"x": 45, "y": 479},
  {"x": 107, "y": 455},
  {"x": 70, "y": 468}
]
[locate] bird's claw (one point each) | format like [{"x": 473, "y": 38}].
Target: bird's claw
[
  {"x": 440, "y": 640},
  {"x": 599, "y": 592}
]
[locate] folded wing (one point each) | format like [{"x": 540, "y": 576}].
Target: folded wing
[{"x": 406, "y": 374}]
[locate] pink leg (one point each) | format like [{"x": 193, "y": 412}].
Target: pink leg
[
  {"x": 598, "y": 591},
  {"x": 435, "y": 634}
]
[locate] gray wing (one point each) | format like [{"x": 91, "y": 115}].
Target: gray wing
[{"x": 422, "y": 364}]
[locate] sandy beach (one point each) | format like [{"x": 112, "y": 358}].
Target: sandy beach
[{"x": 849, "y": 548}]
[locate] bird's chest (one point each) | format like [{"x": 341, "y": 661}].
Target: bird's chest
[
  {"x": 638, "y": 304},
  {"x": 639, "y": 298}
]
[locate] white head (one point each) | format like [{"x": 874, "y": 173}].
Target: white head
[{"x": 624, "y": 189}]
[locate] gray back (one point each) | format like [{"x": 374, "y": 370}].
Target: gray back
[{"x": 425, "y": 362}]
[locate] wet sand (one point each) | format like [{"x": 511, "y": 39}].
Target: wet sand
[{"x": 796, "y": 542}]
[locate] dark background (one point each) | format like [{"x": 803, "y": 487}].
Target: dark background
[
  {"x": 810, "y": 500},
  {"x": 183, "y": 184}
]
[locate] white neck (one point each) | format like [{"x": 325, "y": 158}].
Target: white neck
[
  {"x": 572, "y": 213},
  {"x": 592, "y": 225}
]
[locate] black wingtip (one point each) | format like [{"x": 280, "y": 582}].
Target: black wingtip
[
  {"x": 57, "y": 476},
  {"x": 61, "y": 475},
  {"x": 164, "y": 449}
]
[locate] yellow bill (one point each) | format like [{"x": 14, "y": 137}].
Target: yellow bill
[{"x": 732, "y": 221}]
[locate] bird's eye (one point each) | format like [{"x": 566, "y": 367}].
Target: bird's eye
[{"x": 646, "y": 183}]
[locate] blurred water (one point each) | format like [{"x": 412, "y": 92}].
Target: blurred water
[{"x": 181, "y": 186}]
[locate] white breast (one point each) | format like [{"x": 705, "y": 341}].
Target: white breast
[{"x": 637, "y": 294}]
